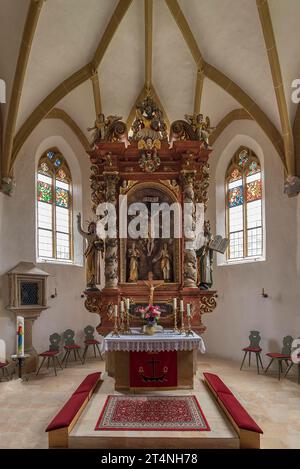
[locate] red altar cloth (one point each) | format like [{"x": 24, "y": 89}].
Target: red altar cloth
[{"x": 153, "y": 369}]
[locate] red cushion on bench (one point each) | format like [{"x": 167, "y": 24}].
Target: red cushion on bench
[
  {"x": 238, "y": 413},
  {"x": 68, "y": 412},
  {"x": 88, "y": 383},
  {"x": 216, "y": 383}
]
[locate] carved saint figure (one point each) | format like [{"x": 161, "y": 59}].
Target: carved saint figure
[
  {"x": 134, "y": 255},
  {"x": 94, "y": 244},
  {"x": 151, "y": 285},
  {"x": 165, "y": 262},
  {"x": 205, "y": 254}
]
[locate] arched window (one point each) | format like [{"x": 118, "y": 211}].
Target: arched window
[
  {"x": 54, "y": 207},
  {"x": 244, "y": 206}
]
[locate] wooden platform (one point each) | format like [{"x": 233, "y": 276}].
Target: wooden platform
[{"x": 222, "y": 434}]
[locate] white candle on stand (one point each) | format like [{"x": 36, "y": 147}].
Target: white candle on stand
[
  {"x": 20, "y": 335},
  {"x": 122, "y": 307},
  {"x": 181, "y": 305},
  {"x": 116, "y": 311},
  {"x": 127, "y": 303},
  {"x": 174, "y": 303},
  {"x": 188, "y": 309}
]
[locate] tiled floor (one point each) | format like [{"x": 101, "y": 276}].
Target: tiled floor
[{"x": 27, "y": 407}]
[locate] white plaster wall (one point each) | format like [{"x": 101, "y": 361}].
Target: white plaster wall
[
  {"x": 18, "y": 238},
  {"x": 241, "y": 307}
]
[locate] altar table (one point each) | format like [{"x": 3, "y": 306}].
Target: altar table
[{"x": 165, "y": 360}]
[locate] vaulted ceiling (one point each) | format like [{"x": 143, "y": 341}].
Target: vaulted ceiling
[{"x": 231, "y": 59}]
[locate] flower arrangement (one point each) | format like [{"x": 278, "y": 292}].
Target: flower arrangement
[{"x": 151, "y": 313}]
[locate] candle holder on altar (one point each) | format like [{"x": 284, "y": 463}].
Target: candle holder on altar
[
  {"x": 175, "y": 329},
  {"x": 189, "y": 329},
  {"x": 182, "y": 328},
  {"x": 115, "y": 331},
  {"x": 127, "y": 329},
  {"x": 122, "y": 312}
]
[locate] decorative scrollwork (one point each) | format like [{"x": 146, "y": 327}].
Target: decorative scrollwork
[
  {"x": 93, "y": 305},
  {"x": 201, "y": 185},
  {"x": 207, "y": 304},
  {"x": 98, "y": 187}
]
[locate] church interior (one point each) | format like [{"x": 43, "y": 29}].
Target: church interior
[{"x": 149, "y": 224}]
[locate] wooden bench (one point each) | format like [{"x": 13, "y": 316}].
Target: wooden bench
[
  {"x": 59, "y": 428},
  {"x": 247, "y": 429}
]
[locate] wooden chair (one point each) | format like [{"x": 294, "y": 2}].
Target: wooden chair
[
  {"x": 52, "y": 353},
  {"x": 4, "y": 368},
  {"x": 253, "y": 347},
  {"x": 293, "y": 363},
  {"x": 70, "y": 346},
  {"x": 284, "y": 356},
  {"x": 90, "y": 340}
]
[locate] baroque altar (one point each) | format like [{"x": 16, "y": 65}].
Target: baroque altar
[{"x": 155, "y": 167}]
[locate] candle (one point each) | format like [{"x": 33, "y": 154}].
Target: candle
[
  {"x": 122, "y": 306},
  {"x": 174, "y": 303},
  {"x": 20, "y": 336},
  {"x": 181, "y": 305},
  {"x": 116, "y": 311},
  {"x": 127, "y": 303},
  {"x": 188, "y": 309}
]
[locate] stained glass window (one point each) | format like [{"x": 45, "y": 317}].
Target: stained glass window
[
  {"x": 244, "y": 206},
  {"x": 54, "y": 207}
]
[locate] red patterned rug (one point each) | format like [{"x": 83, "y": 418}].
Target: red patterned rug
[{"x": 152, "y": 413}]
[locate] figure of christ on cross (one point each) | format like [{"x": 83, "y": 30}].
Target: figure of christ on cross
[{"x": 152, "y": 285}]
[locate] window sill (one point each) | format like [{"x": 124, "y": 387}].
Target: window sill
[
  {"x": 57, "y": 262},
  {"x": 242, "y": 261}
]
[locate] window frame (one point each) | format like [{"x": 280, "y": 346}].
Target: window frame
[
  {"x": 243, "y": 169},
  {"x": 53, "y": 171}
]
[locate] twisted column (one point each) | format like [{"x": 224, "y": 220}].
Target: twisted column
[
  {"x": 190, "y": 259},
  {"x": 111, "y": 244}
]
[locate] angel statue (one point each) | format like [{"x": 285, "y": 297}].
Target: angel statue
[
  {"x": 99, "y": 129},
  {"x": 94, "y": 245},
  {"x": 201, "y": 128}
]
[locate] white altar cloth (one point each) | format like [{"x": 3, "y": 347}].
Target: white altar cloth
[{"x": 161, "y": 341}]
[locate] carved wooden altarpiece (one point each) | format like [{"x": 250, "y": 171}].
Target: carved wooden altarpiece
[{"x": 170, "y": 172}]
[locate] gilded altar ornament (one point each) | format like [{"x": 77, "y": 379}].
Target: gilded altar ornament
[
  {"x": 148, "y": 122},
  {"x": 149, "y": 160},
  {"x": 94, "y": 245},
  {"x": 109, "y": 129},
  {"x": 134, "y": 255}
]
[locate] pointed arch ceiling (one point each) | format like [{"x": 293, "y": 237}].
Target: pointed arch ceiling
[{"x": 223, "y": 41}]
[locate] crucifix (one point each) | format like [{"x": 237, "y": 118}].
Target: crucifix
[{"x": 152, "y": 286}]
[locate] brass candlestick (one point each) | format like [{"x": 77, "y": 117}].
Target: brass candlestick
[
  {"x": 182, "y": 329},
  {"x": 127, "y": 329},
  {"x": 115, "y": 331},
  {"x": 122, "y": 325},
  {"x": 189, "y": 329},
  {"x": 175, "y": 320}
]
